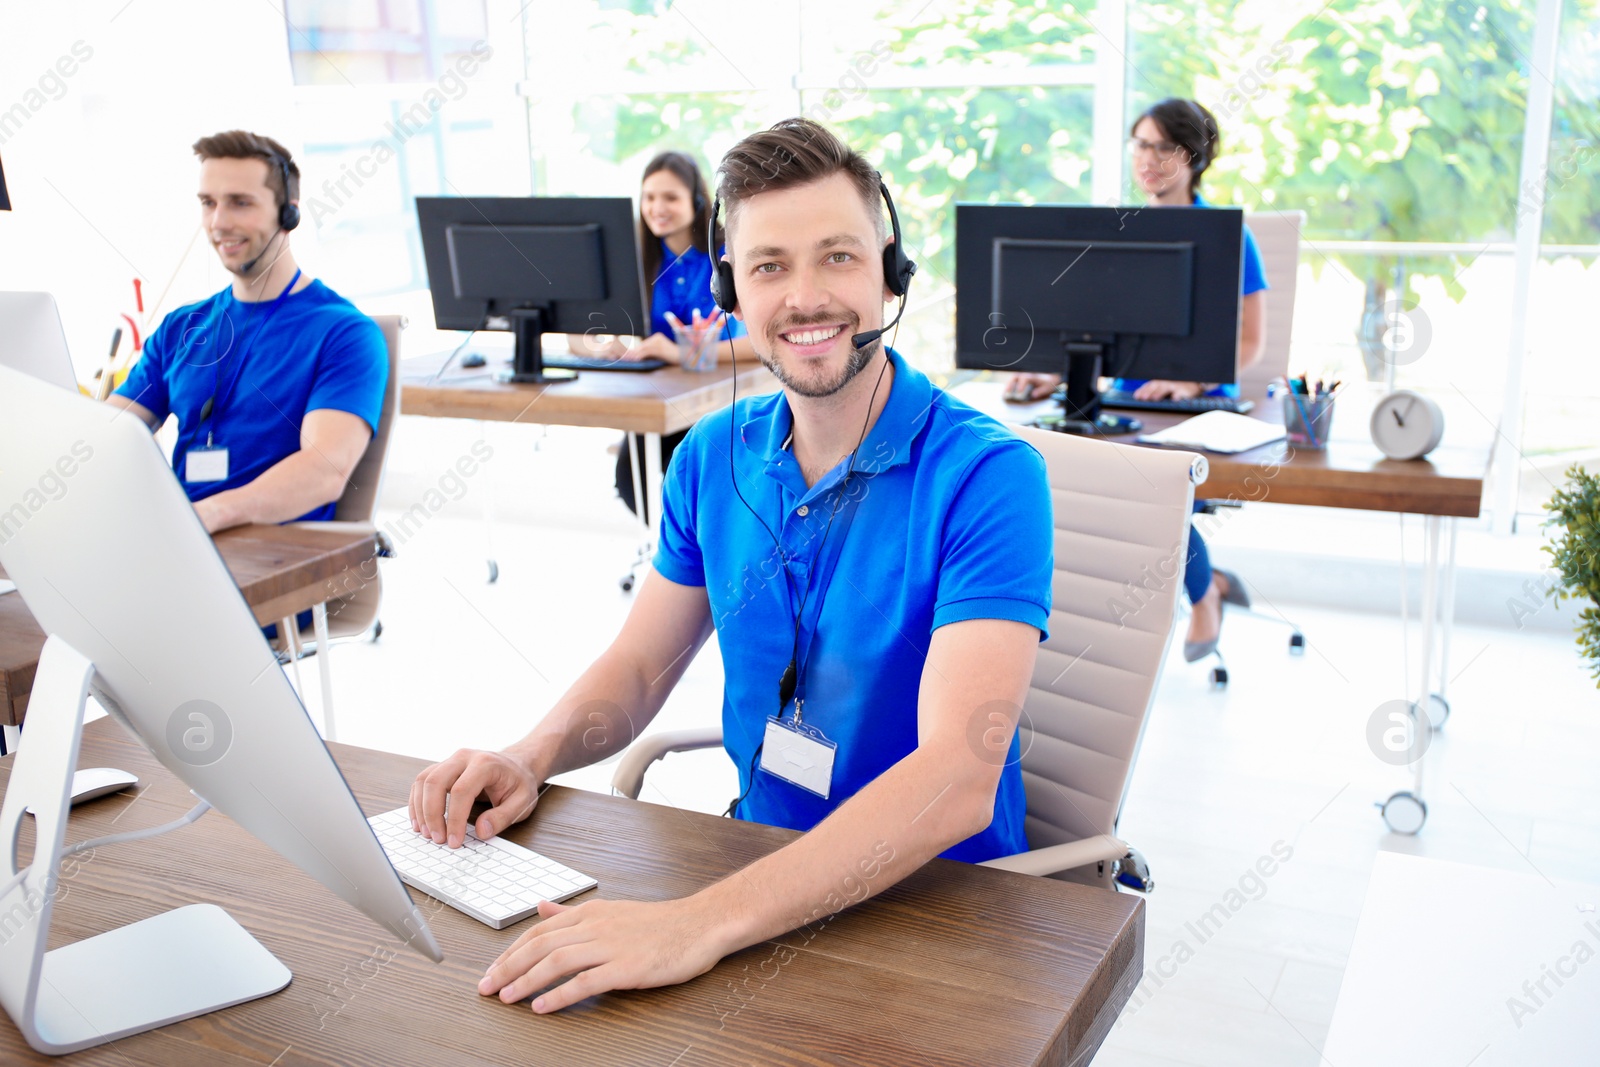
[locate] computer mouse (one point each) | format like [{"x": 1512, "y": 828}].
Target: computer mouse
[
  {"x": 91, "y": 782},
  {"x": 472, "y": 359}
]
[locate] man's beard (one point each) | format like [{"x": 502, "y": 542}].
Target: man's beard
[{"x": 820, "y": 382}]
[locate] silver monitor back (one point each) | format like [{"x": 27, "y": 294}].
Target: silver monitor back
[
  {"x": 31, "y": 339},
  {"x": 108, "y": 553}
]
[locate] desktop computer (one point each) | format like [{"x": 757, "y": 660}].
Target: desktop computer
[
  {"x": 1086, "y": 292},
  {"x": 31, "y": 339},
  {"x": 534, "y": 265},
  {"x": 115, "y": 566}
]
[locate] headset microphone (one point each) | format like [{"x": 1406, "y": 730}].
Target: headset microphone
[
  {"x": 251, "y": 265},
  {"x": 862, "y": 340}
]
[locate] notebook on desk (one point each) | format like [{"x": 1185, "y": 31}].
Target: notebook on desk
[{"x": 1217, "y": 431}]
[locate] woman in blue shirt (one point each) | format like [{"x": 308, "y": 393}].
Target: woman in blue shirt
[
  {"x": 1172, "y": 145},
  {"x": 674, "y": 211}
]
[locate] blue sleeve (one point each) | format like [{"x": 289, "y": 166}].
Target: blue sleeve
[
  {"x": 1255, "y": 275},
  {"x": 352, "y": 371},
  {"x": 998, "y": 556},
  {"x": 677, "y": 554},
  {"x": 146, "y": 384}
]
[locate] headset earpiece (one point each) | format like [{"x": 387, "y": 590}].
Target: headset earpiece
[
  {"x": 722, "y": 288},
  {"x": 898, "y": 268},
  {"x": 288, "y": 211}
]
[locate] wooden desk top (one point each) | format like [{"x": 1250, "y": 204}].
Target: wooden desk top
[
  {"x": 281, "y": 570},
  {"x": 1350, "y": 473},
  {"x": 957, "y": 965},
  {"x": 662, "y": 401}
]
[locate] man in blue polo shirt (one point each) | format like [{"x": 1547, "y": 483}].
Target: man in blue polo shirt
[
  {"x": 277, "y": 381},
  {"x": 875, "y": 558}
]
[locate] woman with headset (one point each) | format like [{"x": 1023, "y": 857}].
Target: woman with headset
[
  {"x": 674, "y": 216},
  {"x": 1172, "y": 144}
]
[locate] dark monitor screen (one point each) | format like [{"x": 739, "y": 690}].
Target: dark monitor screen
[
  {"x": 5, "y": 197},
  {"x": 534, "y": 265},
  {"x": 1091, "y": 291}
]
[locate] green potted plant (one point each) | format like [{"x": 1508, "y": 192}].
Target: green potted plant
[{"x": 1575, "y": 509}]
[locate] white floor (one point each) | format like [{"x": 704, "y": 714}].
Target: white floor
[{"x": 1280, "y": 761}]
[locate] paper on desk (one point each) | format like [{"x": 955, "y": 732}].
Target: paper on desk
[
  {"x": 1217, "y": 431},
  {"x": 7, "y": 587}
]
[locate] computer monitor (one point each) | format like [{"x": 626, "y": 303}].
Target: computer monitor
[
  {"x": 534, "y": 265},
  {"x": 31, "y": 339},
  {"x": 110, "y": 557},
  {"x": 5, "y": 197},
  {"x": 1091, "y": 291}
]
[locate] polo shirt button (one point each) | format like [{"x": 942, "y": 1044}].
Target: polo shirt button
[{"x": 802, "y": 511}]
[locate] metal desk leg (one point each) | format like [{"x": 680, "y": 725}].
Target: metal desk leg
[
  {"x": 319, "y": 622},
  {"x": 291, "y": 641},
  {"x": 1406, "y": 812},
  {"x": 488, "y": 516},
  {"x": 646, "y": 471},
  {"x": 1438, "y": 704}
]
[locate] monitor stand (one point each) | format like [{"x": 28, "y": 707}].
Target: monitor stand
[
  {"x": 527, "y": 366},
  {"x": 160, "y": 970},
  {"x": 1080, "y": 404}
]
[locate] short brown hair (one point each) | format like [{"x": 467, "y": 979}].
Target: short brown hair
[
  {"x": 794, "y": 152},
  {"x": 1191, "y": 127},
  {"x": 242, "y": 144}
]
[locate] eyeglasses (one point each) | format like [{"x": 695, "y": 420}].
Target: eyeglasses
[{"x": 1164, "y": 150}]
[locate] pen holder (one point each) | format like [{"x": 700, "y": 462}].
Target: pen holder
[
  {"x": 702, "y": 360},
  {"x": 1307, "y": 420}
]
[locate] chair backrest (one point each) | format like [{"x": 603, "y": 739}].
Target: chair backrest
[
  {"x": 1121, "y": 544},
  {"x": 1277, "y": 235},
  {"x": 360, "y": 499}
]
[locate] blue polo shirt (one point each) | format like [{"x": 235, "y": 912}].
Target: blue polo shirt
[
  {"x": 1254, "y": 280},
  {"x": 684, "y": 287},
  {"x": 268, "y": 364},
  {"x": 947, "y": 518}
]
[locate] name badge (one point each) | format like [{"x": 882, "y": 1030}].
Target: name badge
[
  {"x": 206, "y": 465},
  {"x": 799, "y": 754}
]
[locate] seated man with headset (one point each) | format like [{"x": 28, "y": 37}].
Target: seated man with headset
[
  {"x": 875, "y": 557},
  {"x": 277, "y": 381}
]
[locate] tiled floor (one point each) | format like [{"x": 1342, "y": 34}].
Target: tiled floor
[{"x": 1278, "y": 766}]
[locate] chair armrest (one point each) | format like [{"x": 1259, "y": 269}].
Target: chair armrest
[
  {"x": 629, "y": 776},
  {"x": 1052, "y": 859}
]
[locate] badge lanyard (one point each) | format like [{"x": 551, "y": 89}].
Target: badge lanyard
[{"x": 208, "y": 410}]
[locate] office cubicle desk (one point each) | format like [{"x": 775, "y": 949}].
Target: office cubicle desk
[
  {"x": 280, "y": 570},
  {"x": 956, "y": 965}
]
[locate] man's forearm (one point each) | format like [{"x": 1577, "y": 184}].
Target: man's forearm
[
  {"x": 290, "y": 488},
  {"x": 907, "y": 816},
  {"x": 598, "y": 717}
]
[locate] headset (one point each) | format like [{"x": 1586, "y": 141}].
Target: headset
[
  {"x": 288, "y": 211},
  {"x": 898, "y": 268}
]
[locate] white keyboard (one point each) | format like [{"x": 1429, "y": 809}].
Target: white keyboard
[{"x": 494, "y": 881}]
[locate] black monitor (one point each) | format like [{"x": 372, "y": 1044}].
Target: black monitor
[
  {"x": 5, "y": 198},
  {"x": 1091, "y": 291},
  {"x": 533, "y": 265}
]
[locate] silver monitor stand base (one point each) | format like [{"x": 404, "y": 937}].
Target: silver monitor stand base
[{"x": 160, "y": 970}]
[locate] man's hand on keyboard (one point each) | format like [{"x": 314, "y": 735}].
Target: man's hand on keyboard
[
  {"x": 601, "y": 945},
  {"x": 656, "y": 346},
  {"x": 463, "y": 778},
  {"x": 1158, "y": 389}
]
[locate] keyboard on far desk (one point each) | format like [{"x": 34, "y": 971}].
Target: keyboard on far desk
[
  {"x": 1194, "y": 405},
  {"x": 563, "y": 361},
  {"x": 495, "y": 881}
]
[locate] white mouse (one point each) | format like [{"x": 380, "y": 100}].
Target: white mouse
[{"x": 91, "y": 782}]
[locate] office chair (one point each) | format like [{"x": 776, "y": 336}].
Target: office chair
[
  {"x": 1277, "y": 235},
  {"x": 352, "y": 611},
  {"x": 1122, "y": 524}
]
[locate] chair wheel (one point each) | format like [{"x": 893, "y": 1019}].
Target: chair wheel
[
  {"x": 377, "y": 629},
  {"x": 1219, "y": 677},
  {"x": 626, "y": 581},
  {"x": 1438, "y": 711},
  {"x": 1404, "y": 813},
  {"x": 494, "y": 572},
  {"x": 1297, "y": 644}
]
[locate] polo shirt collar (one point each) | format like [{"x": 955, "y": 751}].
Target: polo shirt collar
[{"x": 887, "y": 445}]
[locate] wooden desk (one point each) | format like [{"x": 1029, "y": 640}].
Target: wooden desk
[
  {"x": 653, "y": 403},
  {"x": 957, "y": 965},
  {"x": 281, "y": 570}
]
